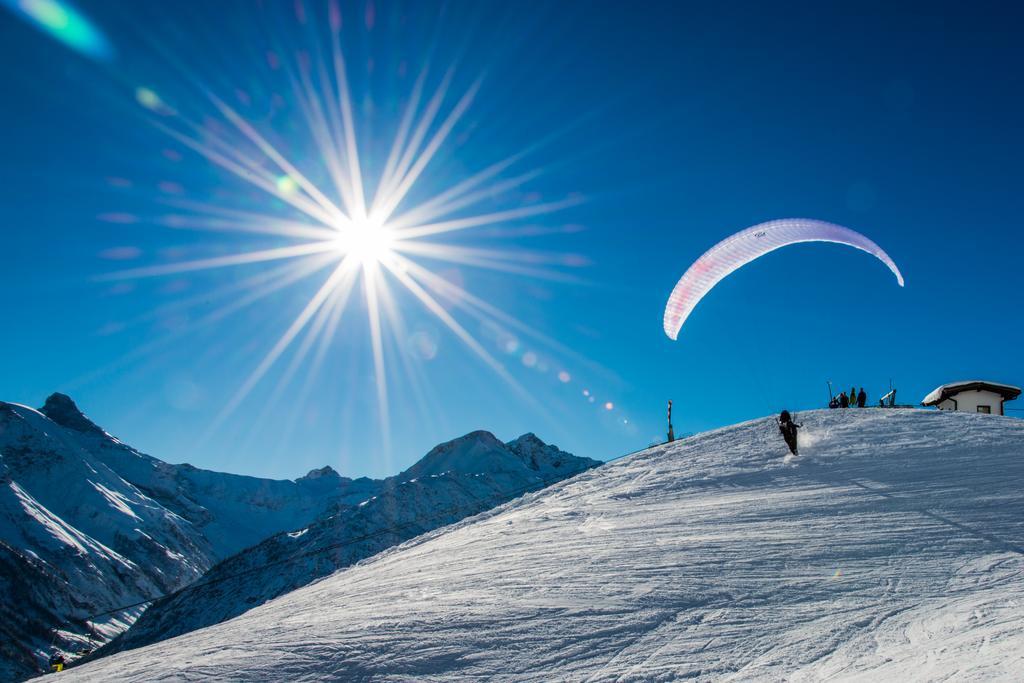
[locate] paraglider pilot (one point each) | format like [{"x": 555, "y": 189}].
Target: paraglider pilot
[{"x": 788, "y": 428}]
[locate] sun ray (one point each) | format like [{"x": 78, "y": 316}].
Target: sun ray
[
  {"x": 524, "y": 256},
  {"x": 452, "y": 200},
  {"x": 323, "y": 131},
  {"x": 404, "y": 127},
  {"x": 413, "y": 373},
  {"x": 312, "y": 336},
  {"x": 506, "y": 262},
  {"x": 292, "y": 273},
  {"x": 344, "y": 95},
  {"x": 485, "y": 219},
  {"x": 312, "y": 372},
  {"x": 286, "y": 166},
  {"x": 300, "y": 271},
  {"x": 319, "y": 102},
  {"x": 229, "y": 155},
  {"x": 318, "y": 332},
  {"x": 250, "y": 223},
  {"x": 370, "y": 282},
  {"x": 285, "y": 340},
  {"x": 385, "y": 189},
  {"x": 274, "y": 254},
  {"x": 480, "y": 309},
  {"x": 395, "y": 197},
  {"x": 253, "y": 287},
  {"x": 444, "y": 316},
  {"x": 263, "y": 181}
]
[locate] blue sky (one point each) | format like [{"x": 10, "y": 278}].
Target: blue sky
[{"x": 673, "y": 125}]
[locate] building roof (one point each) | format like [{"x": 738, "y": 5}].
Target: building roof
[{"x": 1007, "y": 391}]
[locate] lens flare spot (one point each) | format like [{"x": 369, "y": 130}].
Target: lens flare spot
[
  {"x": 529, "y": 359},
  {"x": 564, "y": 377},
  {"x": 609, "y": 406},
  {"x": 118, "y": 217},
  {"x": 170, "y": 187},
  {"x": 121, "y": 253},
  {"x": 423, "y": 345},
  {"x": 151, "y": 101},
  {"x": 66, "y": 24},
  {"x": 286, "y": 185},
  {"x": 147, "y": 98}
]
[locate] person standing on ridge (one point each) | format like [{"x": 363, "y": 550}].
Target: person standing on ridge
[
  {"x": 844, "y": 402},
  {"x": 862, "y": 398},
  {"x": 788, "y": 428},
  {"x": 853, "y": 396}
]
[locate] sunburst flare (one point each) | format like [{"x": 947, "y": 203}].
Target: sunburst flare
[{"x": 378, "y": 241}]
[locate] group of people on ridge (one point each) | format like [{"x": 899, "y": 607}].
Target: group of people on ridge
[
  {"x": 789, "y": 428},
  {"x": 854, "y": 399}
]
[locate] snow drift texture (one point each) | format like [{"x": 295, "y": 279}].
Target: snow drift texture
[
  {"x": 455, "y": 480},
  {"x": 894, "y": 550}
]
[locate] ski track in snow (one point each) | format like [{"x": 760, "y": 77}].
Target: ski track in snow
[{"x": 891, "y": 548}]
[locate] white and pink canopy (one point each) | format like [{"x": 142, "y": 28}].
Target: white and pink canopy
[{"x": 743, "y": 247}]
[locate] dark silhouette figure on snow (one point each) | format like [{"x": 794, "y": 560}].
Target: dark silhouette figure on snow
[
  {"x": 862, "y": 398},
  {"x": 844, "y": 401},
  {"x": 788, "y": 429},
  {"x": 57, "y": 662}
]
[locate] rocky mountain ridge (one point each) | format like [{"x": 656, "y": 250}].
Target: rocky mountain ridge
[{"x": 89, "y": 524}]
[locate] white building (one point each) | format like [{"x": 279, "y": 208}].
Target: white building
[{"x": 973, "y": 397}]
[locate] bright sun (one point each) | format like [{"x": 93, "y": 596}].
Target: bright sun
[
  {"x": 367, "y": 241},
  {"x": 337, "y": 230}
]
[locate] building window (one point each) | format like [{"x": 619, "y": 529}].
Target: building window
[{"x": 985, "y": 409}]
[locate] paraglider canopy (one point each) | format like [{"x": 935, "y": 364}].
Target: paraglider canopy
[{"x": 745, "y": 246}]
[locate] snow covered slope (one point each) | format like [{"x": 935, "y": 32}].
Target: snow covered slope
[
  {"x": 893, "y": 549},
  {"x": 456, "y": 479},
  {"x": 88, "y": 524}
]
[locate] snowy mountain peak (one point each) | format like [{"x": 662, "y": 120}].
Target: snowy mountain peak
[
  {"x": 527, "y": 440},
  {"x": 324, "y": 472},
  {"x": 481, "y": 452},
  {"x": 540, "y": 456},
  {"x": 479, "y": 436},
  {"x": 62, "y": 409},
  {"x": 474, "y": 452}
]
